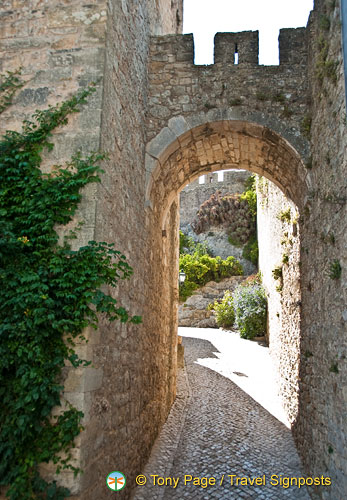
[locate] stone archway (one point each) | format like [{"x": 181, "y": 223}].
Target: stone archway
[{"x": 174, "y": 161}]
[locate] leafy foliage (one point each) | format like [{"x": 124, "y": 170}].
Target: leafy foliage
[
  {"x": 335, "y": 269},
  {"x": 8, "y": 87},
  {"x": 48, "y": 295},
  {"x": 325, "y": 67},
  {"x": 188, "y": 245},
  {"x": 200, "y": 269},
  {"x": 277, "y": 273},
  {"x": 251, "y": 251},
  {"x": 250, "y": 306},
  {"x": 250, "y": 195},
  {"x": 237, "y": 212},
  {"x": 285, "y": 215},
  {"x": 224, "y": 310}
]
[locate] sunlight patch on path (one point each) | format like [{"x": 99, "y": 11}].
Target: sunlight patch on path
[{"x": 245, "y": 362}]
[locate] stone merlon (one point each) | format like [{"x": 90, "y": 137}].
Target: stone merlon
[{"x": 180, "y": 48}]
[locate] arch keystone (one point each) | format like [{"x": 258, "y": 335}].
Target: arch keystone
[
  {"x": 164, "y": 144},
  {"x": 178, "y": 125}
]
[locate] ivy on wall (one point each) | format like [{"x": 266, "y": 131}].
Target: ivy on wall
[{"x": 49, "y": 294}]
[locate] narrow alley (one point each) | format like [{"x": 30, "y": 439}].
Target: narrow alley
[{"x": 217, "y": 430}]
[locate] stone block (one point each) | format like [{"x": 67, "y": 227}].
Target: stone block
[
  {"x": 164, "y": 144},
  {"x": 245, "y": 44},
  {"x": 293, "y": 46},
  {"x": 33, "y": 97},
  {"x": 178, "y": 125}
]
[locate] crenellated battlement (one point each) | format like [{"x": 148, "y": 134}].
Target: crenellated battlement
[
  {"x": 274, "y": 96},
  {"x": 245, "y": 44},
  {"x": 233, "y": 48},
  {"x": 293, "y": 46}
]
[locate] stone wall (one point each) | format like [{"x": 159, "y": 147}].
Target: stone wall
[
  {"x": 216, "y": 117},
  {"x": 62, "y": 46},
  {"x": 192, "y": 120},
  {"x": 138, "y": 362},
  {"x": 199, "y": 123},
  {"x": 275, "y": 96},
  {"x": 193, "y": 195},
  {"x": 60, "y": 50},
  {"x": 320, "y": 430},
  {"x": 278, "y": 240}
]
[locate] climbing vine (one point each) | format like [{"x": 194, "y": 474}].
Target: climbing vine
[
  {"x": 49, "y": 294},
  {"x": 8, "y": 87}
]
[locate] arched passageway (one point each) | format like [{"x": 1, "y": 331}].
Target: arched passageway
[{"x": 172, "y": 164}]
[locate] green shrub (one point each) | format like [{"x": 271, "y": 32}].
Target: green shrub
[
  {"x": 250, "y": 195},
  {"x": 305, "y": 126},
  {"x": 277, "y": 273},
  {"x": 193, "y": 268},
  {"x": 186, "y": 243},
  {"x": 324, "y": 23},
  {"x": 235, "y": 102},
  {"x": 187, "y": 289},
  {"x": 9, "y": 84},
  {"x": 234, "y": 240},
  {"x": 200, "y": 269},
  {"x": 279, "y": 97},
  {"x": 261, "y": 96},
  {"x": 224, "y": 310},
  {"x": 285, "y": 215},
  {"x": 250, "y": 306},
  {"x": 325, "y": 67}
]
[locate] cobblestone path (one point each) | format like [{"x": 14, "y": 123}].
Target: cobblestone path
[{"x": 216, "y": 429}]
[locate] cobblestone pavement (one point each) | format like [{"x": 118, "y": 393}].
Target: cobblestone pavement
[{"x": 216, "y": 429}]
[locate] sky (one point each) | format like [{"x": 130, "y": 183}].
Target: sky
[{"x": 204, "y": 18}]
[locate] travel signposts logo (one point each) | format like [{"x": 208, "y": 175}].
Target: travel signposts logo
[{"x": 116, "y": 481}]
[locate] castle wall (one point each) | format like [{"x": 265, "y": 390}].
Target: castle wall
[
  {"x": 138, "y": 361},
  {"x": 59, "y": 51},
  {"x": 191, "y": 108},
  {"x": 62, "y": 46},
  {"x": 194, "y": 119},
  {"x": 274, "y": 96},
  {"x": 204, "y": 119},
  {"x": 279, "y": 250},
  {"x": 320, "y": 428},
  {"x": 193, "y": 195}
]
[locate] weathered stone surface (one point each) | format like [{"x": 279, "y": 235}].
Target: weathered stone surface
[
  {"x": 192, "y": 196},
  {"x": 278, "y": 240},
  {"x": 147, "y": 83},
  {"x": 61, "y": 48},
  {"x": 319, "y": 430}
]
